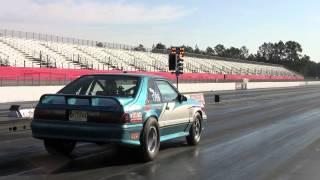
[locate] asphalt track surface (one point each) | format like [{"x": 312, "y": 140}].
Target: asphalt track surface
[{"x": 260, "y": 134}]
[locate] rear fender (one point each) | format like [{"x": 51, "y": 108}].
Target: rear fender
[{"x": 149, "y": 114}]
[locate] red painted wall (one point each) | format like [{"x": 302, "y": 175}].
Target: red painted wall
[{"x": 15, "y": 73}]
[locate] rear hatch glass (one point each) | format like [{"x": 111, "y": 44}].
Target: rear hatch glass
[{"x": 104, "y": 85}]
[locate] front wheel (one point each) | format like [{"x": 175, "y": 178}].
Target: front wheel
[
  {"x": 150, "y": 140},
  {"x": 195, "y": 131},
  {"x": 59, "y": 147}
]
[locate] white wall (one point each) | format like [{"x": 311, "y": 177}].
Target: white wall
[
  {"x": 200, "y": 87},
  {"x": 257, "y": 85},
  {"x": 25, "y": 93},
  {"x": 33, "y": 93}
]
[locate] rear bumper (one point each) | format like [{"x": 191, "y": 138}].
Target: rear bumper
[{"x": 85, "y": 131}]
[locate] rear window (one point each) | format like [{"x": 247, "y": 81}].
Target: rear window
[
  {"x": 79, "y": 101},
  {"x": 117, "y": 86}
]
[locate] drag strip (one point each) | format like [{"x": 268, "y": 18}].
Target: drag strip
[{"x": 249, "y": 135}]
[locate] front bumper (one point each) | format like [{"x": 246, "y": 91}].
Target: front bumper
[{"x": 86, "y": 131}]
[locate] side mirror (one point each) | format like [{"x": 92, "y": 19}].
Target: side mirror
[{"x": 181, "y": 98}]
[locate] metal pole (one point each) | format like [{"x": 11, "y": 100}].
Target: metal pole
[
  {"x": 177, "y": 76},
  {"x": 176, "y": 72}
]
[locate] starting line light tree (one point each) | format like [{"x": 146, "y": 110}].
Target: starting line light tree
[{"x": 176, "y": 62}]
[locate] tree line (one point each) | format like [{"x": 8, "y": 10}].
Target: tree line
[{"x": 289, "y": 54}]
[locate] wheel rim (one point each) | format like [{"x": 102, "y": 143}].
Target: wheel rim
[
  {"x": 152, "y": 139},
  {"x": 197, "y": 129}
]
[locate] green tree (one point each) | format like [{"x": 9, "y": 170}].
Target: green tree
[
  {"x": 244, "y": 52},
  {"x": 210, "y": 51},
  {"x": 160, "y": 46},
  {"x": 220, "y": 50},
  {"x": 232, "y": 52},
  {"x": 197, "y": 50},
  {"x": 252, "y": 57},
  {"x": 278, "y": 54},
  {"x": 265, "y": 52},
  {"x": 287, "y": 54},
  {"x": 292, "y": 51},
  {"x": 188, "y": 49},
  {"x": 140, "y": 48},
  {"x": 99, "y": 44}
]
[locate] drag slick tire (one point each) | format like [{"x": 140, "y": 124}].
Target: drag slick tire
[
  {"x": 150, "y": 140},
  {"x": 195, "y": 131},
  {"x": 59, "y": 147}
]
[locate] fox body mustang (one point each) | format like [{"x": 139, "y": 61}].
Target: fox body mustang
[{"x": 137, "y": 110}]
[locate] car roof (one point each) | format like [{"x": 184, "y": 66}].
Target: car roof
[{"x": 126, "y": 74}]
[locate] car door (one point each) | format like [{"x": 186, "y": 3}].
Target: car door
[{"x": 174, "y": 113}]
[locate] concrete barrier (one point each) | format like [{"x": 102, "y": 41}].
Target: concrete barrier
[
  {"x": 202, "y": 87},
  {"x": 25, "y": 93},
  {"x": 259, "y": 85},
  {"x": 33, "y": 93},
  {"x": 14, "y": 126}
]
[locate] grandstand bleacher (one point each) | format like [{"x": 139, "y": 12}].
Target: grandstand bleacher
[{"x": 44, "y": 54}]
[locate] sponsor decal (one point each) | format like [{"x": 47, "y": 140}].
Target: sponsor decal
[
  {"x": 198, "y": 97},
  {"x": 26, "y": 113},
  {"x": 155, "y": 96},
  {"x": 136, "y": 117},
  {"x": 147, "y": 107}
]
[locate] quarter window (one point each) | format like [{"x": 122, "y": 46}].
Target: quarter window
[
  {"x": 153, "y": 93},
  {"x": 168, "y": 93}
]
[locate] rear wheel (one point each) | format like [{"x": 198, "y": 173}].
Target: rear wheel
[
  {"x": 195, "y": 131},
  {"x": 59, "y": 147},
  {"x": 150, "y": 140}
]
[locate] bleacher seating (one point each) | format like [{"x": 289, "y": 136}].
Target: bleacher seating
[{"x": 33, "y": 53}]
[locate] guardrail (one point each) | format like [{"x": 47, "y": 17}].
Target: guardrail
[
  {"x": 14, "y": 126},
  {"x": 18, "y": 119}
]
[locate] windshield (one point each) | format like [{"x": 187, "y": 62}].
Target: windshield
[{"x": 108, "y": 85}]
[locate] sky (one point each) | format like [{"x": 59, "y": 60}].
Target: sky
[{"x": 189, "y": 22}]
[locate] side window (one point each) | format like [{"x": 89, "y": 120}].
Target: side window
[
  {"x": 120, "y": 86},
  {"x": 88, "y": 91},
  {"x": 168, "y": 93},
  {"x": 153, "y": 93},
  {"x": 96, "y": 88}
]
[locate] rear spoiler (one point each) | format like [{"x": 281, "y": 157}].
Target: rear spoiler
[{"x": 79, "y": 100}]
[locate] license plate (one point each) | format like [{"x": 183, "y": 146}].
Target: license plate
[{"x": 78, "y": 116}]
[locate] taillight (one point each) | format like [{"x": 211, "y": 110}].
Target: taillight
[
  {"x": 125, "y": 118},
  {"x": 50, "y": 114},
  {"x": 132, "y": 117}
]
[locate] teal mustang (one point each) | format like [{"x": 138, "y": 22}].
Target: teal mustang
[{"x": 127, "y": 109}]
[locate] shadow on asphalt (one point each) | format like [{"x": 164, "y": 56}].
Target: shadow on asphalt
[{"x": 107, "y": 156}]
